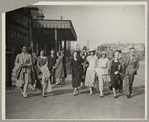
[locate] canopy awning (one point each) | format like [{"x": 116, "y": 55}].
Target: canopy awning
[{"x": 64, "y": 28}]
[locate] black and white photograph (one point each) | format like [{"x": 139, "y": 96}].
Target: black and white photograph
[{"x": 75, "y": 61}]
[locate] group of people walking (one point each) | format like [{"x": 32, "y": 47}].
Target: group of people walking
[
  {"x": 30, "y": 69},
  {"x": 86, "y": 70},
  {"x": 91, "y": 69}
]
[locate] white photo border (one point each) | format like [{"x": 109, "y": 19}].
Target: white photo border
[{"x": 45, "y": 3}]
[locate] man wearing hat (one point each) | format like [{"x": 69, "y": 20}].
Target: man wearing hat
[{"x": 131, "y": 65}]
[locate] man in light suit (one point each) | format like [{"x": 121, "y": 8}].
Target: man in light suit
[
  {"x": 131, "y": 65},
  {"x": 24, "y": 60}
]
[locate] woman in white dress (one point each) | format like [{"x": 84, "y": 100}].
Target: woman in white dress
[
  {"x": 102, "y": 71},
  {"x": 91, "y": 70}
]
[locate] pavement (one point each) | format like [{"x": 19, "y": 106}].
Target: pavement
[{"x": 62, "y": 104}]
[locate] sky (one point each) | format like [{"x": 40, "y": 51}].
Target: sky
[{"x": 101, "y": 24}]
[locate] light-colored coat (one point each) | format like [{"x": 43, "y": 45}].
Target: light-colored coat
[
  {"x": 102, "y": 66},
  {"x": 25, "y": 73},
  {"x": 59, "y": 72},
  {"x": 24, "y": 60}
]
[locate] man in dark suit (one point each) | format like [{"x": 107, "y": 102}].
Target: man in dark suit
[
  {"x": 131, "y": 65},
  {"x": 51, "y": 63}
]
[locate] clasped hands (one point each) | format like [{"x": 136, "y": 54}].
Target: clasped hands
[{"x": 24, "y": 66}]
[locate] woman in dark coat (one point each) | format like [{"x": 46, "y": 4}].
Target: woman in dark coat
[
  {"x": 59, "y": 69},
  {"x": 76, "y": 70},
  {"x": 115, "y": 68}
]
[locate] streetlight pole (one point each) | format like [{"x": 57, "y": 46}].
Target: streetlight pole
[{"x": 88, "y": 45}]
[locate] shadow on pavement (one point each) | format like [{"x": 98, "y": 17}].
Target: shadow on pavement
[
  {"x": 63, "y": 85},
  {"x": 84, "y": 92},
  {"x": 63, "y": 91},
  {"x": 138, "y": 90}
]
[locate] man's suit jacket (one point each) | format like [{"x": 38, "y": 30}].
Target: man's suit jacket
[
  {"x": 26, "y": 59},
  {"x": 51, "y": 62},
  {"x": 134, "y": 62}
]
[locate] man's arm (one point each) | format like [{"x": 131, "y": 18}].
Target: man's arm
[
  {"x": 17, "y": 60},
  {"x": 137, "y": 65}
]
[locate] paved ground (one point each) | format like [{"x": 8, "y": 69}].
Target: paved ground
[{"x": 61, "y": 104}]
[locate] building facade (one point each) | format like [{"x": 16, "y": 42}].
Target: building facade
[{"x": 28, "y": 26}]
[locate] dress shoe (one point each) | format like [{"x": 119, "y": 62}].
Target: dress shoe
[
  {"x": 25, "y": 96},
  {"x": 128, "y": 96},
  {"x": 101, "y": 96},
  {"x": 91, "y": 93},
  {"x": 75, "y": 93},
  {"x": 43, "y": 95}
]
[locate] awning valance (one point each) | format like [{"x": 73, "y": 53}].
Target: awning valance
[{"x": 65, "y": 29}]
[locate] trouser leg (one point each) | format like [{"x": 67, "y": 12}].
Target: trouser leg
[
  {"x": 53, "y": 77},
  {"x": 131, "y": 79},
  {"x": 126, "y": 84},
  {"x": 121, "y": 83},
  {"x": 26, "y": 81}
]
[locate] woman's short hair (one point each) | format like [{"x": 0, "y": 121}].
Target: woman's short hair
[
  {"x": 59, "y": 53},
  {"x": 29, "y": 50},
  {"x": 115, "y": 52},
  {"x": 74, "y": 52},
  {"x": 23, "y": 46},
  {"x": 51, "y": 51},
  {"x": 41, "y": 49}
]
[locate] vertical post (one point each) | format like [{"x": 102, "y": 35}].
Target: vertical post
[
  {"x": 60, "y": 45},
  {"x": 56, "y": 40},
  {"x": 88, "y": 45},
  {"x": 65, "y": 49},
  {"x": 70, "y": 47}
]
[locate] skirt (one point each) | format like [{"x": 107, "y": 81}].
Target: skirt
[{"x": 90, "y": 78}]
